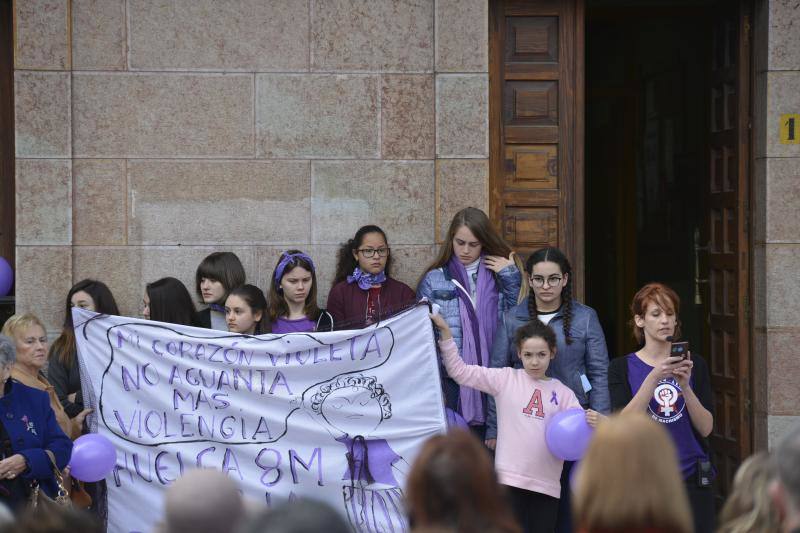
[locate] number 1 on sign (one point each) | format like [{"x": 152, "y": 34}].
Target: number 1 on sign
[{"x": 790, "y": 129}]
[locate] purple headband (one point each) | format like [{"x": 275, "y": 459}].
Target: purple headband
[{"x": 287, "y": 258}]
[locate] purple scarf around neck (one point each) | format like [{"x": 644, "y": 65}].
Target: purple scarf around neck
[
  {"x": 478, "y": 327},
  {"x": 365, "y": 280}
]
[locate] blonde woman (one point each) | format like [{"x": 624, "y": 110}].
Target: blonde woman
[
  {"x": 28, "y": 333},
  {"x": 749, "y": 508},
  {"x": 629, "y": 480}
]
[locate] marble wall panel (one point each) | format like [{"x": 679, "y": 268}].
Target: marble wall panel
[
  {"x": 462, "y": 36},
  {"x": 100, "y": 210},
  {"x": 462, "y": 115},
  {"x": 407, "y": 116},
  {"x": 44, "y": 201},
  {"x": 42, "y": 114},
  {"x": 41, "y": 35},
  {"x": 43, "y": 279},
  {"x": 460, "y": 183},
  {"x": 99, "y": 35}
]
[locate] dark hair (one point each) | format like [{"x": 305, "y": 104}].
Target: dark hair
[
  {"x": 661, "y": 295},
  {"x": 535, "y": 330},
  {"x": 171, "y": 302},
  {"x": 346, "y": 263},
  {"x": 553, "y": 255},
  {"x": 224, "y": 267},
  {"x": 253, "y": 297},
  {"x": 277, "y": 303},
  {"x": 56, "y": 519},
  {"x": 104, "y": 303},
  {"x": 492, "y": 242},
  {"x": 299, "y": 516},
  {"x": 453, "y": 484}
]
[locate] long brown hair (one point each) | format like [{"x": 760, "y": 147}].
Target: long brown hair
[
  {"x": 452, "y": 484},
  {"x": 346, "y": 263},
  {"x": 628, "y": 473},
  {"x": 492, "y": 242},
  {"x": 277, "y": 303},
  {"x": 104, "y": 303}
]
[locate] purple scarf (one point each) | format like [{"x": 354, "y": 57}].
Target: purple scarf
[
  {"x": 366, "y": 280},
  {"x": 478, "y": 327}
]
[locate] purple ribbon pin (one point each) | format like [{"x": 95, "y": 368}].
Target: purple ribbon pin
[{"x": 554, "y": 398}]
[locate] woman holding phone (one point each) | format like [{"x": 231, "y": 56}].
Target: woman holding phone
[{"x": 673, "y": 387}]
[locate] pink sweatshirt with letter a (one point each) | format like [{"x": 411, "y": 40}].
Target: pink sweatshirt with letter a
[{"x": 524, "y": 407}]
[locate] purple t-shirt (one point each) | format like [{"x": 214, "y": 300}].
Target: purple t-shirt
[
  {"x": 300, "y": 325},
  {"x": 669, "y": 408}
]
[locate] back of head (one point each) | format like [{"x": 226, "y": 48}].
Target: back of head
[
  {"x": 8, "y": 351},
  {"x": 203, "y": 501},
  {"x": 171, "y": 302},
  {"x": 55, "y": 520},
  {"x": 300, "y": 516},
  {"x": 787, "y": 463},
  {"x": 748, "y": 507},
  {"x": 452, "y": 484},
  {"x": 628, "y": 473}
]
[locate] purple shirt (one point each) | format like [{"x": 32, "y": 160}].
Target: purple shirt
[
  {"x": 669, "y": 408},
  {"x": 380, "y": 458},
  {"x": 300, "y": 325}
]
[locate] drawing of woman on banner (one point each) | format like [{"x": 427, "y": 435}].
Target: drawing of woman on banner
[{"x": 351, "y": 408}]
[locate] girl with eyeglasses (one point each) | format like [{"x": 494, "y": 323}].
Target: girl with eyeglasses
[
  {"x": 293, "y": 296},
  {"x": 582, "y": 362},
  {"x": 473, "y": 280},
  {"x": 363, "y": 290}
]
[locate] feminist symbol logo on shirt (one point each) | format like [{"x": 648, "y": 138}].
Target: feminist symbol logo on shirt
[{"x": 668, "y": 403}]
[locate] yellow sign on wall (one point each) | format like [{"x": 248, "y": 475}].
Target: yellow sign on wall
[{"x": 790, "y": 129}]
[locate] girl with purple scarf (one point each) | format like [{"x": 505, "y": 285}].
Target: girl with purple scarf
[
  {"x": 363, "y": 290},
  {"x": 293, "y": 296},
  {"x": 474, "y": 280}
]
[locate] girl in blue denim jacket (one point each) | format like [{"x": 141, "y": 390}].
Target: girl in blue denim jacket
[{"x": 474, "y": 279}]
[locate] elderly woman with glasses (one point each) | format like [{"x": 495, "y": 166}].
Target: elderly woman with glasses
[{"x": 32, "y": 445}]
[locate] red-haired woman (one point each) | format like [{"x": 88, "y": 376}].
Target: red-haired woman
[{"x": 672, "y": 390}]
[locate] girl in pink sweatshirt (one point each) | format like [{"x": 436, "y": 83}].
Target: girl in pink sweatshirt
[{"x": 526, "y": 400}]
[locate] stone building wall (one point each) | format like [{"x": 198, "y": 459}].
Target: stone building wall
[
  {"x": 776, "y": 211},
  {"x": 149, "y": 134}
]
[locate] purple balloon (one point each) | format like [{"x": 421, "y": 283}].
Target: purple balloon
[
  {"x": 568, "y": 434},
  {"x": 455, "y": 420},
  {"x": 93, "y": 457},
  {"x": 6, "y": 277}
]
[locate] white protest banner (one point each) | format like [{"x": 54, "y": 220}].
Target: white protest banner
[{"x": 280, "y": 414}]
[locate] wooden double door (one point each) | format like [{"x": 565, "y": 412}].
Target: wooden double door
[{"x": 650, "y": 156}]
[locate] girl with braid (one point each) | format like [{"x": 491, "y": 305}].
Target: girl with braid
[{"x": 582, "y": 362}]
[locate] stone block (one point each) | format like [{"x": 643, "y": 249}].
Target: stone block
[
  {"x": 759, "y": 208},
  {"x": 407, "y": 116},
  {"x": 41, "y": 35},
  {"x": 43, "y": 279},
  {"x": 783, "y": 291},
  {"x": 462, "y": 36},
  {"x": 783, "y": 200},
  {"x": 381, "y": 35},
  {"x": 778, "y": 426},
  {"x": 42, "y": 114},
  {"x": 237, "y": 202},
  {"x": 324, "y": 256},
  {"x": 460, "y": 183},
  {"x": 99, "y": 35},
  {"x": 784, "y": 372},
  {"x": 250, "y": 35},
  {"x": 317, "y": 116},
  {"x": 410, "y": 262},
  {"x": 397, "y": 196},
  {"x": 784, "y": 40},
  {"x": 759, "y": 269},
  {"x": 100, "y": 201},
  {"x": 162, "y": 115},
  {"x": 462, "y": 115},
  {"x": 783, "y": 97},
  {"x": 44, "y": 201}
]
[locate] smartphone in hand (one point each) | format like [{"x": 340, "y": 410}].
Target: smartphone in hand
[{"x": 679, "y": 349}]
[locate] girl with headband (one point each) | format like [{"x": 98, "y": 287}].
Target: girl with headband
[{"x": 293, "y": 296}]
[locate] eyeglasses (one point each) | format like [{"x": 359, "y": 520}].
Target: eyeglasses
[
  {"x": 552, "y": 281},
  {"x": 370, "y": 252}
]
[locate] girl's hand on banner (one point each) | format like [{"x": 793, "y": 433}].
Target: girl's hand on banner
[{"x": 441, "y": 325}]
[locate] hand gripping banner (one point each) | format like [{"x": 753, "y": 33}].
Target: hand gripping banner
[{"x": 336, "y": 416}]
